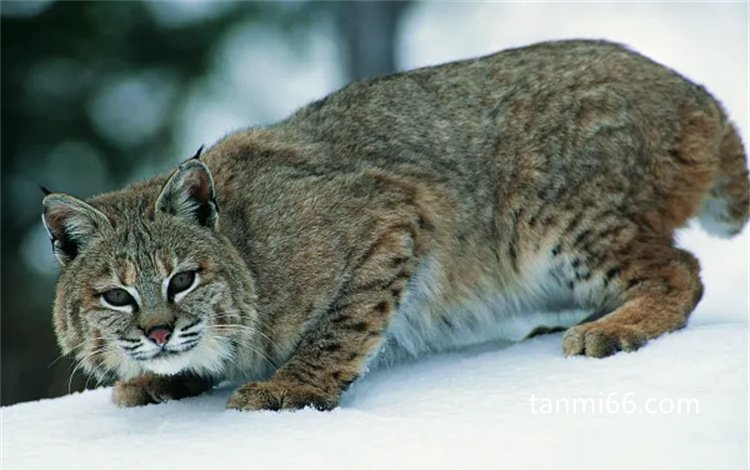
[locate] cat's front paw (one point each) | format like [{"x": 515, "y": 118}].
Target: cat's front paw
[
  {"x": 150, "y": 389},
  {"x": 601, "y": 339},
  {"x": 280, "y": 395},
  {"x": 136, "y": 392}
]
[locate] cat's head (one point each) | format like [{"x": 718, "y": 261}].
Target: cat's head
[{"x": 148, "y": 283}]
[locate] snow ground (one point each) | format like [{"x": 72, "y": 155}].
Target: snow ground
[
  {"x": 472, "y": 408},
  {"x": 462, "y": 410},
  {"x": 469, "y": 409}
]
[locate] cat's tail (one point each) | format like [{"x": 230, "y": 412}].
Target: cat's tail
[{"x": 726, "y": 206}]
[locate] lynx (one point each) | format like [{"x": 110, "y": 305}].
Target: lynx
[{"x": 537, "y": 189}]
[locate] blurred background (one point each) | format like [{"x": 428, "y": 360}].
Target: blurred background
[{"x": 99, "y": 94}]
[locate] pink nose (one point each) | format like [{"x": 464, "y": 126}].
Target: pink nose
[{"x": 159, "y": 335}]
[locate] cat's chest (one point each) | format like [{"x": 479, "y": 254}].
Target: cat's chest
[{"x": 430, "y": 319}]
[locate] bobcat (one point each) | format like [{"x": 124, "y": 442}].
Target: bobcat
[{"x": 531, "y": 190}]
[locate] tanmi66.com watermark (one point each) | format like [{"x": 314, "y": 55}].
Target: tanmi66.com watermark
[{"x": 613, "y": 403}]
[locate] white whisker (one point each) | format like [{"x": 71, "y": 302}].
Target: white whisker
[{"x": 81, "y": 362}]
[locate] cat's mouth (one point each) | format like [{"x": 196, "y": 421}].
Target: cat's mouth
[
  {"x": 161, "y": 343},
  {"x": 161, "y": 354},
  {"x": 189, "y": 348},
  {"x": 170, "y": 361},
  {"x": 167, "y": 352}
]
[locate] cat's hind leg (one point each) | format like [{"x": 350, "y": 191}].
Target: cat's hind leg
[{"x": 653, "y": 287}]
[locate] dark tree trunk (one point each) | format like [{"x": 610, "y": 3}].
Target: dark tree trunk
[{"x": 369, "y": 32}]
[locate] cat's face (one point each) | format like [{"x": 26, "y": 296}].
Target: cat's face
[{"x": 155, "y": 290}]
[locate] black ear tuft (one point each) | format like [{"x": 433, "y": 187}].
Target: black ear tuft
[
  {"x": 71, "y": 224},
  {"x": 189, "y": 194},
  {"x": 197, "y": 155},
  {"x": 45, "y": 191}
]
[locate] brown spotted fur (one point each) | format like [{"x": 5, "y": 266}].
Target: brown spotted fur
[{"x": 580, "y": 152}]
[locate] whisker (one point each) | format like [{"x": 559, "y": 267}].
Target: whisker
[
  {"x": 235, "y": 327},
  {"x": 82, "y": 344},
  {"x": 189, "y": 335},
  {"x": 80, "y": 363},
  {"x": 129, "y": 340},
  {"x": 262, "y": 354},
  {"x": 191, "y": 325},
  {"x": 62, "y": 355},
  {"x": 185, "y": 346},
  {"x": 244, "y": 328},
  {"x": 131, "y": 348},
  {"x": 98, "y": 378}
]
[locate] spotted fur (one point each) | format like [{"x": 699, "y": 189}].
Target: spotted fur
[{"x": 531, "y": 190}]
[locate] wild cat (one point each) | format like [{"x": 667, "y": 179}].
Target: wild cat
[{"x": 534, "y": 189}]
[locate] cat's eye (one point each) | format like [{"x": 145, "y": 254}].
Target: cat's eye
[
  {"x": 118, "y": 297},
  {"x": 180, "y": 282}
]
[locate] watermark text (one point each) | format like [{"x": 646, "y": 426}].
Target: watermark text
[{"x": 614, "y": 403}]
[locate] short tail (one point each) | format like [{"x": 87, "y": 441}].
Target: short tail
[{"x": 726, "y": 206}]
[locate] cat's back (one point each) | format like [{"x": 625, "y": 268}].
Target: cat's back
[
  {"x": 471, "y": 121},
  {"x": 493, "y": 135},
  {"x": 510, "y": 158},
  {"x": 451, "y": 98}
]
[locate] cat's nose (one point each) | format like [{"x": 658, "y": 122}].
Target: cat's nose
[{"x": 159, "y": 334}]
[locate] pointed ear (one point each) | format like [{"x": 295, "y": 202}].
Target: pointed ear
[
  {"x": 71, "y": 225},
  {"x": 189, "y": 195}
]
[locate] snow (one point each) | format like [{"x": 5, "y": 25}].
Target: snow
[
  {"x": 461, "y": 410},
  {"x": 468, "y": 409},
  {"x": 472, "y": 408}
]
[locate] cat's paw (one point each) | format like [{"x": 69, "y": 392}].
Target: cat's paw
[
  {"x": 150, "y": 389},
  {"x": 135, "y": 392},
  {"x": 280, "y": 395},
  {"x": 601, "y": 339}
]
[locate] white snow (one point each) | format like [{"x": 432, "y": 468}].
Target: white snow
[
  {"x": 469, "y": 409},
  {"x": 472, "y": 408},
  {"x": 463, "y": 410}
]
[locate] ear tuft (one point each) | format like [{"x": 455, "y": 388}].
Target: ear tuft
[
  {"x": 189, "y": 194},
  {"x": 197, "y": 155},
  {"x": 71, "y": 224}
]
